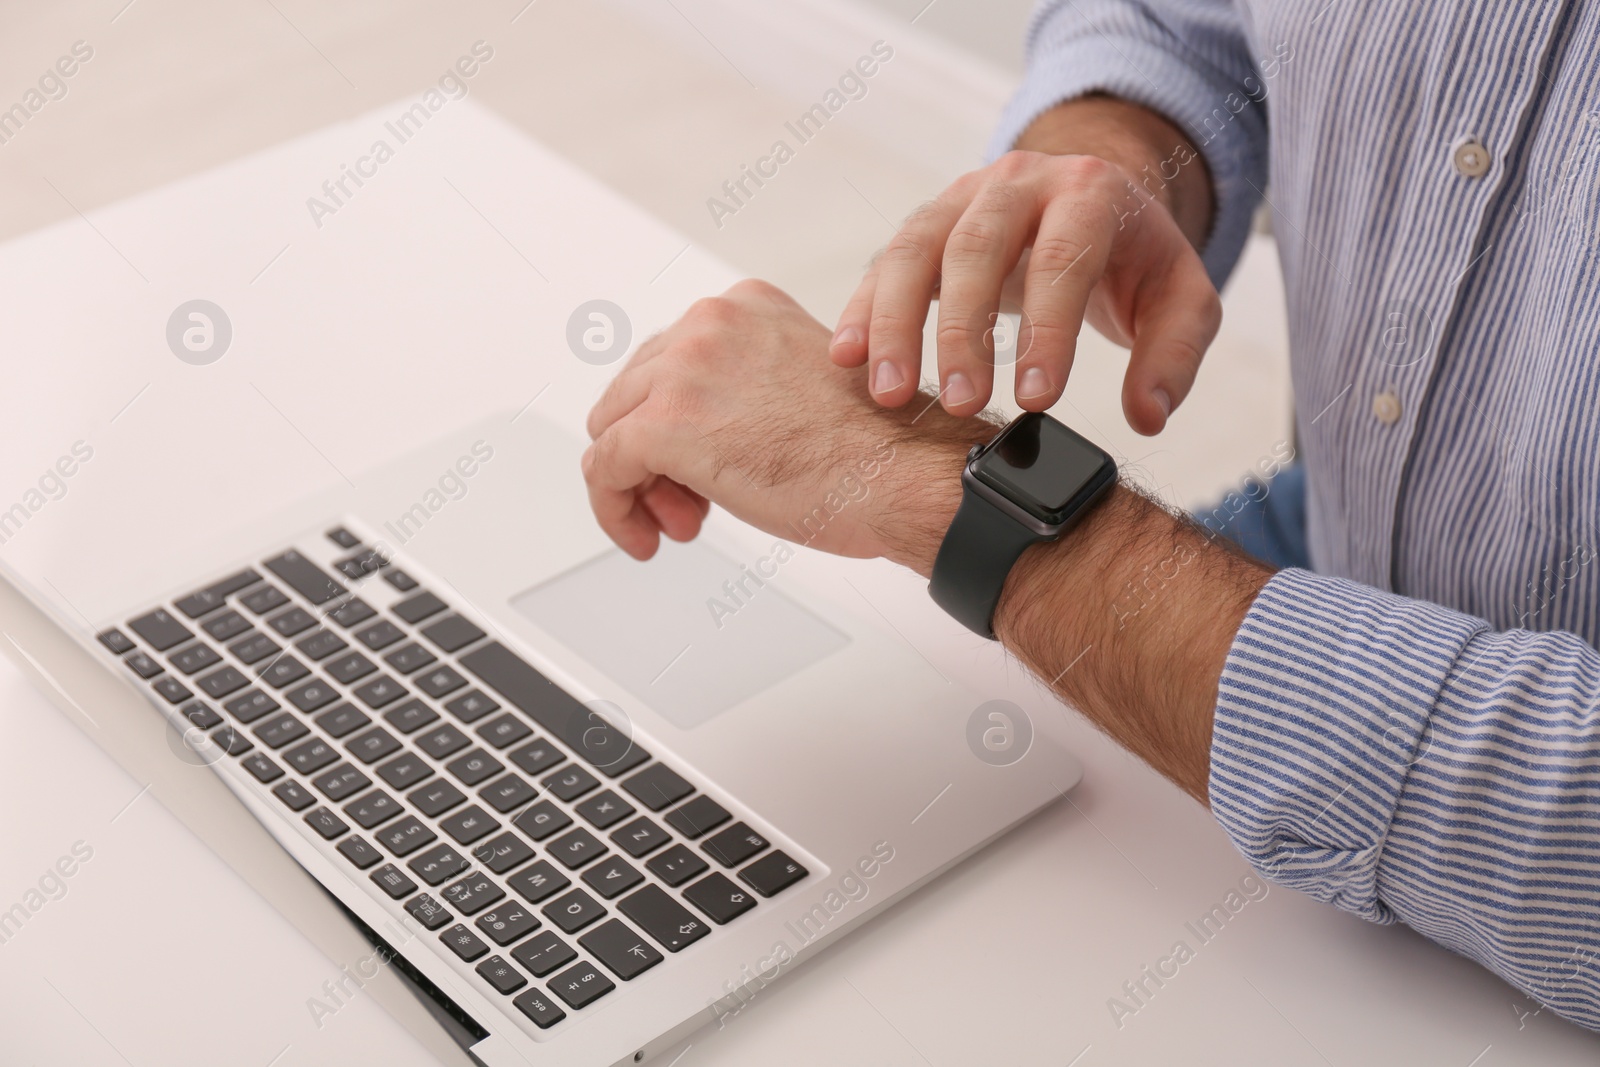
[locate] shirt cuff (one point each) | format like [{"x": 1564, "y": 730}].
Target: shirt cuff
[
  {"x": 1321, "y": 711},
  {"x": 1117, "y": 65}
]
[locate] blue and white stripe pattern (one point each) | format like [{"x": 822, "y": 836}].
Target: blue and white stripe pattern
[{"x": 1411, "y": 732}]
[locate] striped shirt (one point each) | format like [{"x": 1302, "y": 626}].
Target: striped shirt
[{"x": 1410, "y": 729}]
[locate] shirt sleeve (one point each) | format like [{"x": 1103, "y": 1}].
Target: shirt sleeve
[
  {"x": 1188, "y": 60},
  {"x": 1404, "y": 761}
]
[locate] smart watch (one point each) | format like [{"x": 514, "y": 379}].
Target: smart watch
[{"x": 1032, "y": 483}]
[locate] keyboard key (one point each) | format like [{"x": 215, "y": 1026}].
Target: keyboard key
[
  {"x": 472, "y": 893},
  {"x": 143, "y": 665},
  {"x": 410, "y": 657},
  {"x": 772, "y": 873},
  {"x": 226, "y": 626},
  {"x": 474, "y": 767},
  {"x": 412, "y": 715},
  {"x": 551, "y": 707},
  {"x": 537, "y": 757},
  {"x": 372, "y": 746},
  {"x": 571, "y": 782},
  {"x": 341, "y": 720},
  {"x": 232, "y": 741},
  {"x": 697, "y": 816},
  {"x": 372, "y": 809},
  {"x": 326, "y": 823},
  {"x": 734, "y": 845},
  {"x": 311, "y": 696},
  {"x": 200, "y": 715},
  {"x": 612, "y": 877},
  {"x": 505, "y": 924},
  {"x": 419, "y": 607},
  {"x": 574, "y": 911},
  {"x": 439, "y": 681},
  {"x": 469, "y": 824},
  {"x": 505, "y": 978},
  {"x": 575, "y": 849},
  {"x": 581, "y": 985},
  {"x": 380, "y": 691},
  {"x": 260, "y": 766},
  {"x": 254, "y": 648},
  {"x": 194, "y": 658},
  {"x": 343, "y": 538},
  {"x": 174, "y": 691},
  {"x": 160, "y": 629},
  {"x": 250, "y": 706},
  {"x": 439, "y": 864},
  {"x": 452, "y": 633},
  {"x": 539, "y": 1008},
  {"x": 305, "y": 577},
  {"x": 719, "y": 898},
  {"x": 658, "y": 786},
  {"x": 471, "y": 706},
  {"x": 435, "y": 799},
  {"x": 605, "y": 809},
  {"x": 399, "y": 579},
  {"x": 311, "y": 756},
  {"x": 543, "y": 953},
  {"x": 340, "y": 782},
  {"x": 442, "y": 741},
  {"x": 282, "y": 671},
  {"x": 615, "y": 944},
  {"x": 363, "y": 563},
  {"x": 392, "y": 880},
  {"x": 405, "y": 771},
  {"x": 352, "y": 612},
  {"x": 294, "y": 621},
  {"x": 538, "y": 881},
  {"x": 321, "y": 645},
  {"x": 118, "y": 642},
  {"x": 280, "y": 730},
  {"x": 264, "y": 599},
  {"x": 670, "y": 923},
  {"x": 541, "y": 820},
  {"x": 380, "y": 635},
  {"x": 219, "y": 683},
  {"x": 405, "y": 836},
  {"x": 503, "y": 730},
  {"x": 213, "y": 596},
  {"x": 508, "y": 793},
  {"x": 359, "y": 851},
  {"x": 640, "y": 837},
  {"x": 349, "y": 667},
  {"x": 500, "y": 854},
  {"x": 676, "y": 865},
  {"x": 464, "y": 943},
  {"x": 428, "y": 911},
  {"x": 295, "y": 795}
]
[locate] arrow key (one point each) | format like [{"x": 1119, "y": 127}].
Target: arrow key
[
  {"x": 614, "y": 944},
  {"x": 719, "y": 898}
]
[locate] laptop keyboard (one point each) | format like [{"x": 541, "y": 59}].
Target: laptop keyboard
[{"x": 533, "y": 837}]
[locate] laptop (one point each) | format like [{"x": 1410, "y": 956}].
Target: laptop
[{"x": 586, "y": 805}]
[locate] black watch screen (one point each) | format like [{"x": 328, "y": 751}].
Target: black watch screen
[{"x": 1043, "y": 467}]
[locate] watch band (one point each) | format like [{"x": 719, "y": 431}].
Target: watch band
[{"x": 978, "y": 552}]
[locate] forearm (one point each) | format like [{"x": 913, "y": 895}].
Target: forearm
[{"x": 1155, "y": 154}]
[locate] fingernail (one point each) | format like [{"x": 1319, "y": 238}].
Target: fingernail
[
  {"x": 1163, "y": 401},
  {"x": 847, "y": 335},
  {"x": 886, "y": 378},
  {"x": 1033, "y": 384},
  {"x": 957, "y": 390}
]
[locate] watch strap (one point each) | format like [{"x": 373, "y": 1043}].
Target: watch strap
[{"x": 977, "y": 554}]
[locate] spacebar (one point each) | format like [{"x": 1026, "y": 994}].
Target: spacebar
[{"x": 540, "y": 699}]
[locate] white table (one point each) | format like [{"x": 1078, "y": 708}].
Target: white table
[{"x": 424, "y": 298}]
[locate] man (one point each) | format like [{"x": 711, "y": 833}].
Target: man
[{"x": 1411, "y": 732}]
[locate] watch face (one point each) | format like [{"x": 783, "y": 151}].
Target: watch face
[{"x": 1042, "y": 466}]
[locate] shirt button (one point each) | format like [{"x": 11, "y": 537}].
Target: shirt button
[
  {"x": 1471, "y": 159},
  {"x": 1386, "y": 408}
]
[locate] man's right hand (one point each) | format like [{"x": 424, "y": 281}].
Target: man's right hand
[{"x": 1106, "y": 248}]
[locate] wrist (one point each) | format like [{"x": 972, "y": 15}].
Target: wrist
[{"x": 925, "y": 496}]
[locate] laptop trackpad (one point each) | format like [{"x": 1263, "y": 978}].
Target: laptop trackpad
[{"x": 691, "y": 633}]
